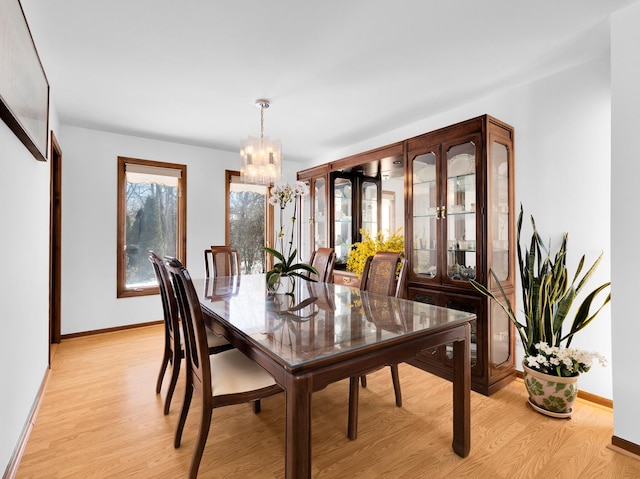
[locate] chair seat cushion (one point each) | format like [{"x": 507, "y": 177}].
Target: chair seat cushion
[
  {"x": 232, "y": 372},
  {"x": 214, "y": 339}
]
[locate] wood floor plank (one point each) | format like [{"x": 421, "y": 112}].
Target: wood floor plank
[{"x": 100, "y": 418}]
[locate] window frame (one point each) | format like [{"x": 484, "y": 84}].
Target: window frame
[{"x": 181, "y": 233}]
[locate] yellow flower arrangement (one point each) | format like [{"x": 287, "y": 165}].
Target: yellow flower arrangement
[{"x": 370, "y": 245}]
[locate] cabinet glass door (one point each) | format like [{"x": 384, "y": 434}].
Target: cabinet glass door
[
  {"x": 460, "y": 212},
  {"x": 469, "y": 305},
  {"x": 499, "y": 221},
  {"x": 500, "y": 335},
  {"x": 306, "y": 223},
  {"x": 343, "y": 222},
  {"x": 319, "y": 213},
  {"x": 369, "y": 203},
  {"x": 313, "y": 218},
  {"x": 426, "y": 211}
]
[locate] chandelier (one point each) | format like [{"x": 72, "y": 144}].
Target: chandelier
[{"x": 261, "y": 157}]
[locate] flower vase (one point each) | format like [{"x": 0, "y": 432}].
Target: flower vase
[
  {"x": 285, "y": 284},
  {"x": 550, "y": 395},
  {"x": 282, "y": 302}
]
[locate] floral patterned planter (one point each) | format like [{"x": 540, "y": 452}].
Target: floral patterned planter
[{"x": 550, "y": 395}]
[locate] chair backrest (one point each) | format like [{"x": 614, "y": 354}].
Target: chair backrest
[
  {"x": 169, "y": 303},
  {"x": 225, "y": 261},
  {"x": 383, "y": 273},
  {"x": 223, "y": 287},
  {"x": 384, "y": 312},
  {"x": 195, "y": 336},
  {"x": 323, "y": 260},
  {"x": 321, "y": 291}
]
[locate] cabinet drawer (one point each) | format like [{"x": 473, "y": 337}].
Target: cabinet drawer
[{"x": 346, "y": 278}]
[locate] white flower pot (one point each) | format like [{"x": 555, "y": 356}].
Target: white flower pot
[{"x": 284, "y": 285}]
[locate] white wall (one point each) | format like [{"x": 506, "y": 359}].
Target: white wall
[
  {"x": 562, "y": 152},
  {"x": 625, "y": 78},
  {"x": 89, "y": 223},
  {"x": 563, "y": 179},
  {"x": 24, "y": 286}
]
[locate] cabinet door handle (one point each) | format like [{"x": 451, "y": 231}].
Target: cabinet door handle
[
  {"x": 437, "y": 212},
  {"x": 444, "y": 212}
]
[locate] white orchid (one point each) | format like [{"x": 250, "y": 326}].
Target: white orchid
[{"x": 282, "y": 195}]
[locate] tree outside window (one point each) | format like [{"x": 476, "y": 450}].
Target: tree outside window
[
  {"x": 249, "y": 223},
  {"x": 151, "y": 216}
]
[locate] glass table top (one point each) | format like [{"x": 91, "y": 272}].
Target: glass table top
[{"x": 319, "y": 320}]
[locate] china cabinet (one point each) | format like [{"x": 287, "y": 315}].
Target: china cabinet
[{"x": 460, "y": 225}]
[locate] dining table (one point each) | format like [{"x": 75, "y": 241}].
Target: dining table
[{"x": 323, "y": 333}]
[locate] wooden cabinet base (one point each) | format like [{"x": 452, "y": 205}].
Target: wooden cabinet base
[{"x": 477, "y": 384}]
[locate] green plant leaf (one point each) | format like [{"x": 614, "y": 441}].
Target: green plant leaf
[
  {"x": 547, "y": 293},
  {"x": 582, "y": 318},
  {"x": 275, "y": 253}
]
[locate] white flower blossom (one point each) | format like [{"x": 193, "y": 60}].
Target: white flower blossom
[
  {"x": 531, "y": 362},
  {"x": 540, "y": 359},
  {"x": 283, "y": 194},
  {"x": 300, "y": 188},
  {"x": 560, "y": 361},
  {"x": 274, "y": 200}
]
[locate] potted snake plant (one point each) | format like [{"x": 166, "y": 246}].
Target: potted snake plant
[{"x": 551, "y": 366}]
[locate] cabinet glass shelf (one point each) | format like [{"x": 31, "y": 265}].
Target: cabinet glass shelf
[{"x": 461, "y": 213}]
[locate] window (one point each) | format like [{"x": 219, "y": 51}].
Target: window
[
  {"x": 249, "y": 222},
  {"x": 151, "y": 216}
]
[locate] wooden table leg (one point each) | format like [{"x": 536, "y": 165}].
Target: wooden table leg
[
  {"x": 354, "y": 391},
  {"x": 462, "y": 394},
  {"x": 298, "y": 428}
]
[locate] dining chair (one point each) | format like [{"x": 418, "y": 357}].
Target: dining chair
[
  {"x": 173, "y": 334},
  {"x": 222, "y": 287},
  {"x": 221, "y": 379},
  {"x": 383, "y": 274},
  {"x": 224, "y": 261},
  {"x": 323, "y": 260}
]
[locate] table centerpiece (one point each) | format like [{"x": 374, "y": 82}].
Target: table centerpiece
[{"x": 281, "y": 278}]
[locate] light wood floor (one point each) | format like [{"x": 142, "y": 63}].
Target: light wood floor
[{"x": 101, "y": 418}]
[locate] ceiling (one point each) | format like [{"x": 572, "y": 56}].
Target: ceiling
[{"x": 337, "y": 72}]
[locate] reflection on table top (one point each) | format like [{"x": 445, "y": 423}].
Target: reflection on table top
[{"x": 320, "y": 320}]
